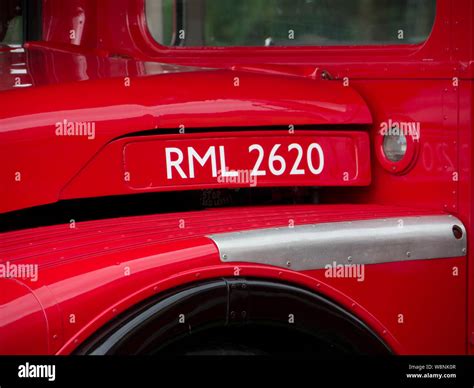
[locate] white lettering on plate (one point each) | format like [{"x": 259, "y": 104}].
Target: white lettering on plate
[{"x": 177, "y": 158}]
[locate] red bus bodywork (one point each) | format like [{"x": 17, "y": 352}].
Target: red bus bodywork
[{"x": 132, "y": 88}]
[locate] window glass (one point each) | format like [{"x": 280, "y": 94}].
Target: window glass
[
  {"x": 289, "y": 22},
  {"x": 11, "y": 24}
]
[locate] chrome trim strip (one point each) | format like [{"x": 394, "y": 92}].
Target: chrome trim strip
[{"x": 373, "y": 241}]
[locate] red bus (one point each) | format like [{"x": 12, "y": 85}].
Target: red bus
[{"x": 221, "y": 177}]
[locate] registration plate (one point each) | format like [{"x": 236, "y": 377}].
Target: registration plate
[{"x": 312, "y": 158}]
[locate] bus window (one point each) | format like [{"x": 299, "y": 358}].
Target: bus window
[
  {"x": 218, "y": 23},
  {"x": 11, "y": 24}
]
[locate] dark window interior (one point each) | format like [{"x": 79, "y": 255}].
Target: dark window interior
[
  {"x": 11, "y": 22},
  {"x": 217, "y": 23}
]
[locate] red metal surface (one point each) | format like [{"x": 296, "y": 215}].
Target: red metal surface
[
  {"x": 431, "y": 59},
  {"x": 278, "y": 86},
  {"x": 83, "y": 272},
  {"x": 22, "y": 313},
  {"x": 30, "y": 146},
  {"x": 346, "y": 163}
]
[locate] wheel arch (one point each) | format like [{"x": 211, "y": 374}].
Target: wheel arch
[{"x": 221, "y": 301}]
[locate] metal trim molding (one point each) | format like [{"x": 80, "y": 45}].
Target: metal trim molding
[{"x": 314, "y": 246}]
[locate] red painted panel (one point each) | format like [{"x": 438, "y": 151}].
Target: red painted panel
[
  {"x": 31, "y": 145},
  {"x": 316, "y": 158},
  {"x": 23, "y": 323},
  {"x": 346, "y": 162},
  {"x": 101, "y": 268},
  {"x": 426, "y": 314}
]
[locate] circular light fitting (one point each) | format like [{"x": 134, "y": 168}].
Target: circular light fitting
[{"x": 394, "y": 147}]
